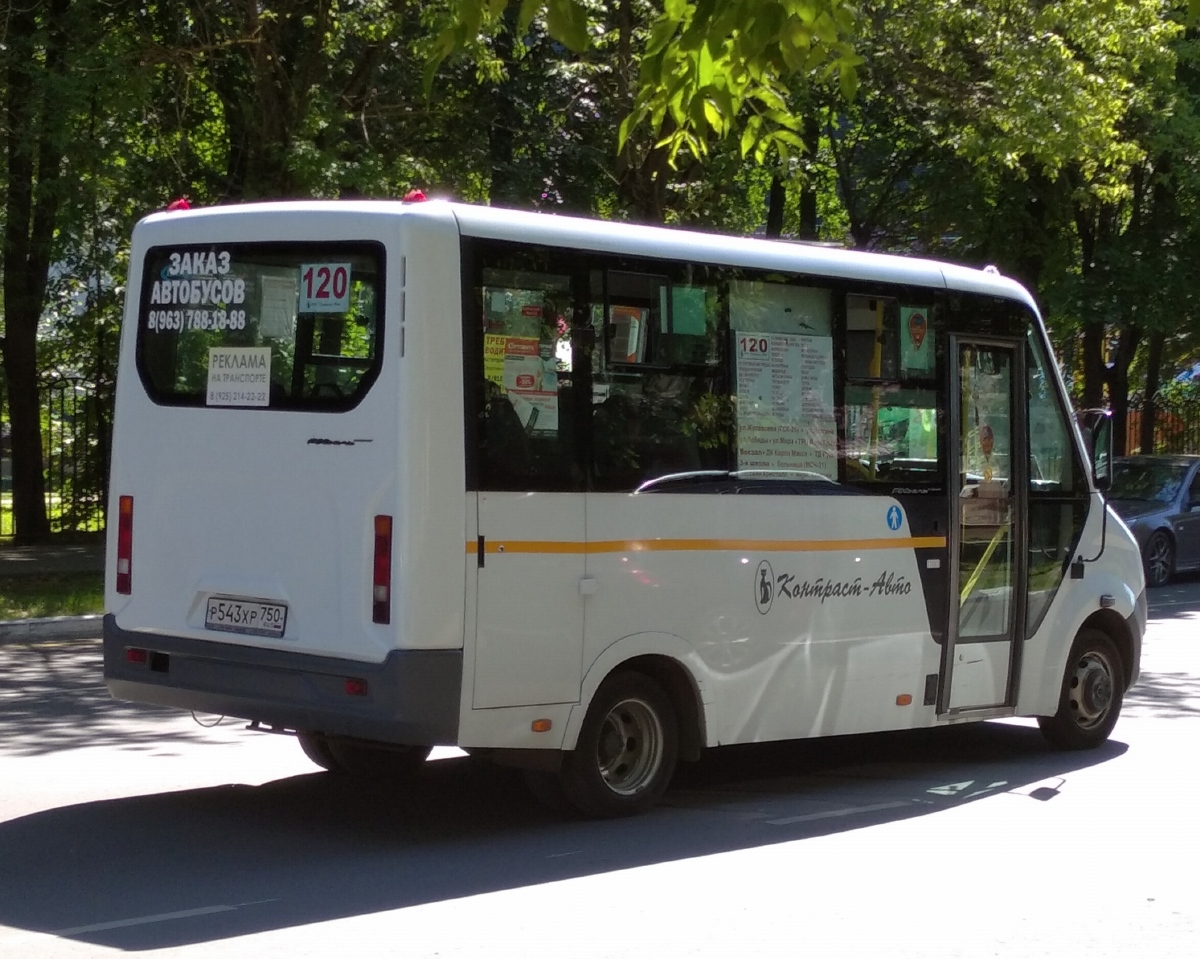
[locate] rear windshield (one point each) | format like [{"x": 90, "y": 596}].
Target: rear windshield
[{"x": 273, "y": 326}]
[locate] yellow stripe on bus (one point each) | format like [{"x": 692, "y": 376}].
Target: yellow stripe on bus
[{"x": 707, "y": 545}]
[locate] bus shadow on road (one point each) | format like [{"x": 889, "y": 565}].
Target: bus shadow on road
[{"x": 203, "y": 865}]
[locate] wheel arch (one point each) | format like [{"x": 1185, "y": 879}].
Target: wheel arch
[
  {"x": 684, "y": 695},
  {"x": 1110, "y": 623},
  {"x": 673, "y": 664}
]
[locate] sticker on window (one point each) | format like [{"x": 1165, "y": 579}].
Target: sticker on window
[
  {"x": 785, "y": 404},
  {"x": 916, "y": 349},
  {"x": 239, "y": 376},
  {"x": 277, "y": 315},
  {"x": 324, "y": 287}
]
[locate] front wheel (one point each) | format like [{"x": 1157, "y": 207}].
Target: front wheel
[
  {"x": 627, "y": 749},
  {"x": 1090, "y": 700},
  {"x": 1159, "y": 559}
]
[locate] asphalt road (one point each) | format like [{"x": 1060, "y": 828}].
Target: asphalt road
[{"x": 134, "y": 829}]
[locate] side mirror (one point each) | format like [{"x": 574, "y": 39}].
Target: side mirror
[{"x": 1096, "y": 426}]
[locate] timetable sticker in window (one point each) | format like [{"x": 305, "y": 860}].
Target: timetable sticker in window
[
  {"x": 324, "y": 287},
  {"x": 785, "y": 417}
]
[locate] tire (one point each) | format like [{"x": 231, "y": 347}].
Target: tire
[
  {"x": 1159, "y": 559},
  {"x": 316, "y": 748},
  {"x": 1092, "y": 689},
  {"x": 627, "y": 749},
  {"x": 354, "y": 757}
]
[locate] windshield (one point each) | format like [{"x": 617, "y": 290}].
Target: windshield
[
  {"x": 281, "y": 325},
  {"x": 1148, "y": 482}
]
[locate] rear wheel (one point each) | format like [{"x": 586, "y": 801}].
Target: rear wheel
[
  {"x": 316, "y": 748},
  {"x": 1159, "y": 559},
  {"x": 627, "y": 749},
  {"x": 356, "y": 757},
  {"x": 1092, "y": 689}
]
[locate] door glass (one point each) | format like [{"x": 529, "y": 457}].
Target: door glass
[{"x": 985, "y": 501}]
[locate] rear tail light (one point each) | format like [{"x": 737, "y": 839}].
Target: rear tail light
[
  {"x": 381, "y": 578},
  {"x": 125, "y": 544}
]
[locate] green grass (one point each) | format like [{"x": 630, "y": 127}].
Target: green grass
[
  {"x": 56, "y": 510},
  {"x": 51, "y": 594}
]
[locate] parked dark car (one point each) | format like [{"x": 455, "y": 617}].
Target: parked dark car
[{"x": 1158, "y": 497}]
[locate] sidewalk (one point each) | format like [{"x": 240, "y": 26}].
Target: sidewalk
[
  {"x": 83, "y": 555},
  {"x": 53, "y": 557}
]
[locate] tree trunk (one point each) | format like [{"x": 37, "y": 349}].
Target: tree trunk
[
  {"x": 808, "y": 189},
  {"x": 641, "y": 184},
  {"x": 1118, "y": 386},
  {"x": 776, "y": 201},
  {"x": 35, "y": 122},
  {"x": 505, "y": 187},
  {"x": 1153, "y": 372},
  {"x": 1093, "y": 365},
  {"x": 1093, "y": 329}
]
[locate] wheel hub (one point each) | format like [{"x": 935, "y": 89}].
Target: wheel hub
[
  {"x": 630, "y": 747},
  {"x": 1092, "y": 690}
]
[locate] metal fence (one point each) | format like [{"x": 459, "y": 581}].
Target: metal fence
[
  {"x": 76, "y": 432},
  {"x": 1176, "y": 425},
  {"x": 75, "y": 448}
]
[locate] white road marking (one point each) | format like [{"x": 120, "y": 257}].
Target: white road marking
[
  {"x": 143, "y": 920},
  {"x": 136, "y": 921},
  {"x": 834, "y": 813}
]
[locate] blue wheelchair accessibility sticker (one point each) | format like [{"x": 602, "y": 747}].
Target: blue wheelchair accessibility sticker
[{"x": 894, "y": 517}]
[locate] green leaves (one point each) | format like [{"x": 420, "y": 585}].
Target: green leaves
[
  {"x": 734, "y": 60},
  {"x": 567, "y": 22},
  {"x": 706, "y": 67}
]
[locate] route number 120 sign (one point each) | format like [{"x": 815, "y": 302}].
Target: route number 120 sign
[{"x": 324, "y": 287}]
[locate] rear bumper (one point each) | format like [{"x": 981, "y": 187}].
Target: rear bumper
[{"x": 411, "y": 697}]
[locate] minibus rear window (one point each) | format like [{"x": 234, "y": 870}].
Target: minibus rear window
[{"x": 272, "y": 326}]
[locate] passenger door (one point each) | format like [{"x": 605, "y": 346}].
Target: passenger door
[
  {"x": 530, "y": 504},
  {"x": 987, "y": 530},
  {"x": 529, "y": 631}
]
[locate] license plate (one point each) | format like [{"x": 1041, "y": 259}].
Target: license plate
[{"x": 254, "y": 616}]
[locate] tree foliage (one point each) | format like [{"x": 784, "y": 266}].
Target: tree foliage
[
  {"x": 1057, "y": 139},
  {"x": 707, "y": 69}
]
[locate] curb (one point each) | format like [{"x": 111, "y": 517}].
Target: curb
[{"x": 51, "y": 627}]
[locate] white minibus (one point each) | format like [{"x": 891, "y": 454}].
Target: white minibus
[{"x": 588, "y": 497}]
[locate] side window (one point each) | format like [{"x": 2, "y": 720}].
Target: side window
[
  {"x": 524, "y": 394},
  {"x": 659, "y": 404},
  {"x": 1057, "y": 495},
  {"x": 1052, "y": 467},
  {"x": 890, "y": 414}
]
